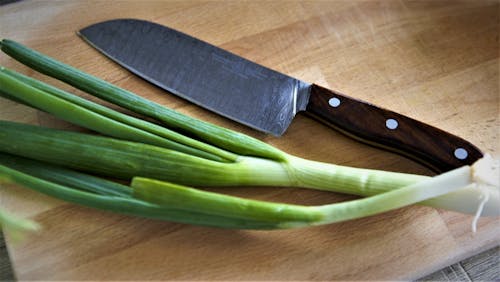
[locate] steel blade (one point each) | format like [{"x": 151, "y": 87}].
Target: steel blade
[{"x": 202, "y": 73}]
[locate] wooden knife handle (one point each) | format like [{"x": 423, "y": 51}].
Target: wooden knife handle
[{"x": 433, "y": 147}]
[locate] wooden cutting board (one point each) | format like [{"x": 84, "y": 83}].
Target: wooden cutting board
[{"x": 435, "y": 61}]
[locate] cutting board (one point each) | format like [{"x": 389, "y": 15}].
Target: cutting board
[{"x": 434, "y": 61}]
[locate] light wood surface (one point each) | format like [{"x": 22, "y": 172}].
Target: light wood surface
[{"x": 434, "y": 61}]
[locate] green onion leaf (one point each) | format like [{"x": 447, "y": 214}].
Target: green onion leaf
[{"x": 215, "y": 135}]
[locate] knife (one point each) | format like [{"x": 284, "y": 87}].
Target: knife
[{"x": 262, "y": 98}]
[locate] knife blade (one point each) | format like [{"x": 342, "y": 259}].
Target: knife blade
[{"x": 262, "y": 98}]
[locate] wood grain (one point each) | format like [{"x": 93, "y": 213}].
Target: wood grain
[{"x": 435, "y": 61}]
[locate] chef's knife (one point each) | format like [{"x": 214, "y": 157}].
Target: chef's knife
[{"x": 262, "y": 98}]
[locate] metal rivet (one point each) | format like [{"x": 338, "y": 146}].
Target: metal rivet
[
  {"x": 334, "y": 102},
  {"x": 461, "y": 153},
  {"x": 391, "y": 123}
]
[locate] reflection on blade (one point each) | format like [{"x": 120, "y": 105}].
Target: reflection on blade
[{"x": 202, "y": 73}]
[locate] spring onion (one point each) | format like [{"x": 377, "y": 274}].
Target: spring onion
[
  {"x": 161, "y": 163},
  {"x": 13, "y": 226},
  {"x": 163, "y": 200},
  {"x": 219, "y": 136},
  {"x": 101, "y": 119},
  {"x": 127, "y": 205},
  {"x": 125, "y": 159},
  {"x": 16, "y": 227}
]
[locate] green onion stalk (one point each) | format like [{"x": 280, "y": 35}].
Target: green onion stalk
[
  {"x": 163, "y": 162},
  {"x": 15, "y": 227}
]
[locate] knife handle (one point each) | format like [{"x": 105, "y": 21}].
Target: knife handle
[{"x": 433, "y": 147}]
